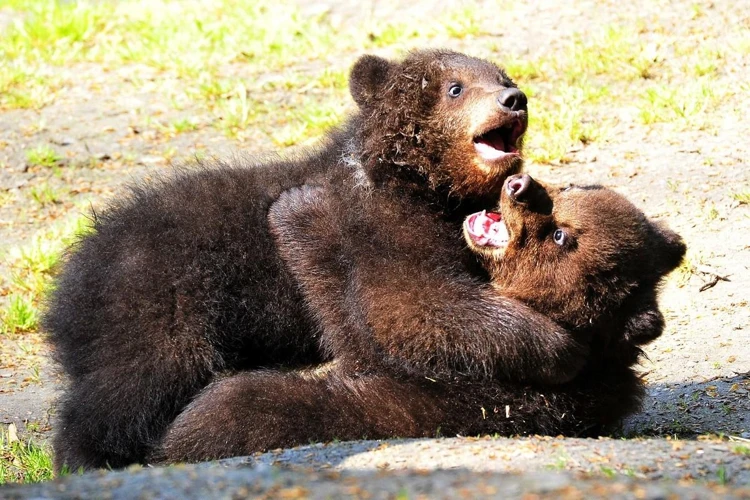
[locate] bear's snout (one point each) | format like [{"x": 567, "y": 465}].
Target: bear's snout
[
  {"x": 512, "y": 99},
  {"x": 517, "y": 186}
]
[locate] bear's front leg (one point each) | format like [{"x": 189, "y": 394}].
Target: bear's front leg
[{"x": 377, "y": 299}]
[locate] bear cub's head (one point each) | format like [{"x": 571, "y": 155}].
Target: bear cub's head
[
  {"x": 583, "y": 255},
  {"x": 455, "y": 120}
]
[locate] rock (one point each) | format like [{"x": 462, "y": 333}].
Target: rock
[{"x": 218, "y": 482}]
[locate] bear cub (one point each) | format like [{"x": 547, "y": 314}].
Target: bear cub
[
  {"x": 184, "y": 280},
  {"x": 582, "y": 255}
]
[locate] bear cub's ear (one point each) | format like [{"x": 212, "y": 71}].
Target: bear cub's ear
[
  {"x": 669, "y": 248},
  {"x": 368, "y": 78}
]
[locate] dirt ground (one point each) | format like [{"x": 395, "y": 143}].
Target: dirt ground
[{"x": 698, "y": 372}]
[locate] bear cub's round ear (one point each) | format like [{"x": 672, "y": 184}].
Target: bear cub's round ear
[
  {"x": 669, "y": 248},
  {"x": 368, "y": 78}
]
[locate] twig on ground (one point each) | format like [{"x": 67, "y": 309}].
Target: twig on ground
[{"x": 715, "y": 276}]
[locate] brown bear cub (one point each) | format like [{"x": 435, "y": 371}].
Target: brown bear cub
[
  {"x": 584, "y": 256},
  {"x": 184, "y": 281},
  {"x": 574, "y": 253}
]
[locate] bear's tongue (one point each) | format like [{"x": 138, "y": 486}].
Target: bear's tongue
[
  {"x": 490, "y": 151},
  {"x": 487, "y": 229},
  {"x": 498, "y": 142}
]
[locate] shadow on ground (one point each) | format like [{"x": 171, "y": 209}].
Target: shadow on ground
[
  {"x": 718, "y": 406},
  {"x": 470, "y": 468}
]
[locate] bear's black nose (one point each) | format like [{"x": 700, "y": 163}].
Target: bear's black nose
[
  {"x": 512, "y": 99},
  {"x": 518, "y": 186}
]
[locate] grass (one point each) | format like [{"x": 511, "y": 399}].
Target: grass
[
  {"x": 218, "y": 51},
  {"x": 42, "y": 156},
  {"x": 195, "y": 41},
  {"x": 20, "y": 315},
  {"x": 31, "y": 268},
  {"x": 663, "y": 102},
  {"x": 311, "y": 121},
  {"x": 553, "y": 134},
  {"x": 25, "y": 85},
  {"x": 721, "y": 475},
  {"x": 677, "y": 428},
  {"x": 561, "y": 461},
  {"x": 45, "y": 194},
  {"x": 184, "y": 125},
  {"x": 607, "y": 472},
  {"x": 565, "y": 85},
  {"x": 743, "y": 198},
  {"x": 23, "y": 461}
]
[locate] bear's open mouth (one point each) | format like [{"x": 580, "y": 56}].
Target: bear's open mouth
[
  {"x": 487, "y": 229},
  {"x": 501, "y": 141}
]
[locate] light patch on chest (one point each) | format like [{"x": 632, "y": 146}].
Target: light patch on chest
[
  {"x": 318, "y": 372},
  {"x": 351, "y": 160}
]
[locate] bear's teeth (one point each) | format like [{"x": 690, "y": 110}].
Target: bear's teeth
[
  {"x": 499, "y": 235},
  {"x": 481, "y": 224},
  {"x": 488, "y": 229}
]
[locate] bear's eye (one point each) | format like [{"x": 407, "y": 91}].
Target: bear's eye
[
  {"x": 455, "y": 90},
  {"x": 560, "y": 237}
]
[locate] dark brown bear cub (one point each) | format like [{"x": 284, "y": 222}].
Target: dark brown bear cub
[
  {"x": 183, "y": 280},
  {"x": 575, "y": 253},
  {"x": 583, "y": 256}
]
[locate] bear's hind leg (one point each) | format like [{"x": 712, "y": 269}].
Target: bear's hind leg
[
  {"x": 112, "y": 417},
  {"x": 262, "y": 410}
]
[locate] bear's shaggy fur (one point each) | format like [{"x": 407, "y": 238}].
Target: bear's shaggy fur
[
  {"x": 584, "y": 256},
  {"x": 183, "y": 281}
]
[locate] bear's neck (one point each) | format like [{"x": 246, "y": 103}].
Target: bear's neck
[{"x": 402, "y": 169}]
